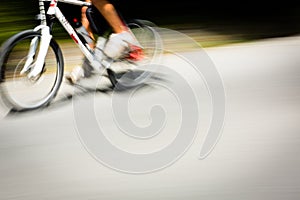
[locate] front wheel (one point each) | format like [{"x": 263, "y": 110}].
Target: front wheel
[{"x": 17, "y": 59}]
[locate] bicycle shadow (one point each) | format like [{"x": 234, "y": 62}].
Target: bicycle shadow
[{"x": 82, "y": 90}]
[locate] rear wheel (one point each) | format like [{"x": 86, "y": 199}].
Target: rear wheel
[{"x": 18, "y": 91}]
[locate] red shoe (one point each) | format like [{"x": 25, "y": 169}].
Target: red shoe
[{"x": 136, "y": 53}]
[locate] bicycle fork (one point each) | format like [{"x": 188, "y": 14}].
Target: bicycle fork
[{"x": 37, "y": 67}]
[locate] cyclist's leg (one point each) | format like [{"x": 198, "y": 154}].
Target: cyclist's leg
[
  {"x": 118, "y": 42},
  {"x": 110, "y": 14},
  {"x": 86, "y": 24},
  {"x": 121, "y": 39},
  {"x": 85, "y": 70}
]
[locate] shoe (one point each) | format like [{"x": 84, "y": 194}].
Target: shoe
[
  {"x": 136, "y": 53},
  {"x": 79, "y": 72},
  {"x": 76, "y": 74},
  {"x": 119, "y": 43}
]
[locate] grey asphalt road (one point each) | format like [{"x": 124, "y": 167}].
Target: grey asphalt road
[{"x": 44, "y": 154}]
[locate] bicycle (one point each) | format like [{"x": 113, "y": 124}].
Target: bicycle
[{"x": 32, "y": 63}]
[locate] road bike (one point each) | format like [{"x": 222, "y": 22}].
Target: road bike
[{"x": 32, "y": 63}]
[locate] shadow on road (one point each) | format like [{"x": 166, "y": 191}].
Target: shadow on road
[{"x": 84, "y": 90}]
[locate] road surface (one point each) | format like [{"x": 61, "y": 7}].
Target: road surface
[{"x": 43, "y": 156}]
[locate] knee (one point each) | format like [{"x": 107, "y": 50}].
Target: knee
[
  {"x": 83, "y": 10},
  {"x": 100, "y": 3}
]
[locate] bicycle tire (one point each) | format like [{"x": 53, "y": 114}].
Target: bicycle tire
[
  {"x": 18, "y": 92},
  {"x": 126, "y": 80}
]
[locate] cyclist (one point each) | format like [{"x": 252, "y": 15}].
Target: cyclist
[{"x": 117, "y": 43}]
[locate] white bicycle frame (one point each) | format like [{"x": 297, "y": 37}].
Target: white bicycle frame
[{"x": 46, "y": 38}]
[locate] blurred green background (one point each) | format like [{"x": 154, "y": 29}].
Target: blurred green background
[{"x": 210, "y": 23}]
